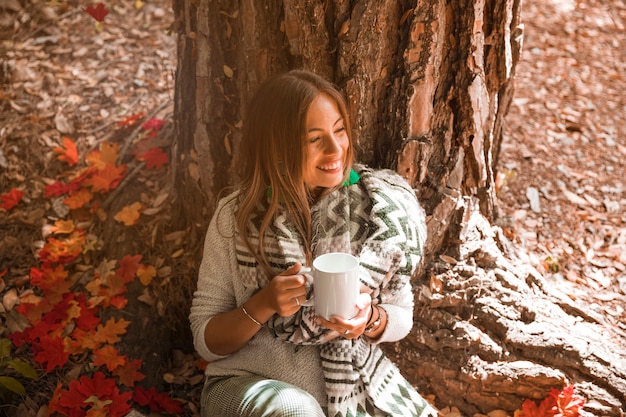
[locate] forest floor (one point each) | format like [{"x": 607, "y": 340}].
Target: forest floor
[{"x": 561, "y": 173}]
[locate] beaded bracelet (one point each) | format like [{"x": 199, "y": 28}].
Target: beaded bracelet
[{"x": 250, "y": 317}]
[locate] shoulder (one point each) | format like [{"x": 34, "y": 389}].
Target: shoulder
[
  {"x": 382, "y": 179},
  {"x": 224, "y": 215}
]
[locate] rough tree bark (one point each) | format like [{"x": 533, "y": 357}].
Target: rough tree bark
[{"x": 428, "y": 84}]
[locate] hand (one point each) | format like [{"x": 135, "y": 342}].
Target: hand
[
  {"x": 354, "y": 327},
  {"x": 286, "y": 292}
]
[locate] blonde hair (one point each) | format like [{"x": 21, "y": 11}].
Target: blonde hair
[{"x": 271, "y": 155}]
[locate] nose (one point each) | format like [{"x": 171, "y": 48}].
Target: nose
[{"x": 332, "y": 144}]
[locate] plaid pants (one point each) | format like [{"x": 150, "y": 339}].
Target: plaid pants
[{"x": 253, "y": 396}]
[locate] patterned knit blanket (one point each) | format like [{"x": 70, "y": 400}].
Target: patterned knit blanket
[{"x": 379, "y": 220}]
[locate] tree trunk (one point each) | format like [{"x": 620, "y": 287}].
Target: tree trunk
[{"x": 428, "y": 85}]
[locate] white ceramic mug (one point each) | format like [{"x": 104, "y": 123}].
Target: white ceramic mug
[{"x": 336, "y": 285}]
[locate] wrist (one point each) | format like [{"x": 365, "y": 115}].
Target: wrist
[{"x": 374, "y": 322}]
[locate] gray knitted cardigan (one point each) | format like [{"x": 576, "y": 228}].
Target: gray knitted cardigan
[{"x": 379, "y": 220}]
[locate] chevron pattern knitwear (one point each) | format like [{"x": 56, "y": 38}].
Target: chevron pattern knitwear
[{"x": 379, "y": 220}]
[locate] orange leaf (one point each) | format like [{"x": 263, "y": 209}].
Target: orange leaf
[
  {"x": 106, "y": 155},
  {"x": 78, "y": 199},
  {"x": 110, "y": 331},
  {"x": 81, "y": 340},
  {"x": 146, "y": 274},
  {"x": 106, "y": 179},
  {"x": 129, "y": 373},
  {"x": 131, "y": 120},
  {"x": 129, "y": 215},
  {"x": 108, "y": 356},
  {"x": 62, "y": 226},
  {"x": 63, "y": 250},
  {"x": 68, "y": 152}
]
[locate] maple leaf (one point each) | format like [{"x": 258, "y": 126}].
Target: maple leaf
[
  {"x": 155, "y": 158},
  {"x": 129, "y": 373},
  {"x": 11, "y": 199},
  {"x": 78, "y": 199},
  {"x": 146, "y": 274},
  {"x": 107, "y": 178},
  {"x": 108, "y": 356},
  {"x": 62, "y": 227},
  {"x": 99, "y": 12},
  {"x": 153, "y": 124},
  {"x": 88, "y": 394},
  {"x": 157, "y": 401},
  {"x": 131, "y": 120},
  {"x": 87, "y": 319},
  {"x": 567, "y": 403},
  {"x": 108, "y": 154},
  {"x": 33, "y": 307},
  {"x": 68, "y": 152},
  {"x": 531, "y": 409},
  {"x": 47, "y": 277},
  {"x": 51, "y": 351},
  {"x": 63, "y": 250},
  {"x": 53, "y": 282},
  {"x": 58, "y": 188},
  {"x": 129, "y": 215},
  {"x": 128, "y": 267},
  {"x": 110, "y": 331}
]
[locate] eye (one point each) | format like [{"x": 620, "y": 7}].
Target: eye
[{"x": 314, "y": 139}]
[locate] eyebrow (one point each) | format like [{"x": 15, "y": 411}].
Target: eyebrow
[{"x": 315, "y": 129}]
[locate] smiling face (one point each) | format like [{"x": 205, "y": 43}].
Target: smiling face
[{"x": 326, "y": 145}]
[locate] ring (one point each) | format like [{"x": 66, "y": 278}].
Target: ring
[{"x": 297, "y": 301}]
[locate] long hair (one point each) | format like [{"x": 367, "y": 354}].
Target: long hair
[{"x": 271, "y": 155}]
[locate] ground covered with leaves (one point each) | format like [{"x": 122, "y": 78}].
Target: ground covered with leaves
[{"x": 86, "y": 103}]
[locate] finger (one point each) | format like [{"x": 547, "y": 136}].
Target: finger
[{"x": 292, "y": 270}]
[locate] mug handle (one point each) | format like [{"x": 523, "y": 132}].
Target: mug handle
[{"x": 310, "y": 302}]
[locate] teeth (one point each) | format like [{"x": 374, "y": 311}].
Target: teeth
[{"x": 329, "y": 167}]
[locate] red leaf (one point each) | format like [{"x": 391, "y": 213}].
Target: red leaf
[
  {"x": 77, "y": 401},
  {"x": 153, "y": 124},
  {"x": 98, "y": 12},
  {"x": 155, "y": 158},
  {"x": 157, "y": 401},
  {"x": 129, "y": 121},
  {"x": 51, "y": 352},
  {"x": 544, "y": 409},
  {"x": 128, "y": 267},
  {"x": 567, "y": 403},
  {"x": 11, "y": 199}
]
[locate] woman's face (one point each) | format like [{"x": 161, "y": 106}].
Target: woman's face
[{"x": 326, "y": 144}]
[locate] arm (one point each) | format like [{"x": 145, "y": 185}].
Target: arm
[
  {"x": 229, "y": 331},
  {"x": 218, "y": 322}
]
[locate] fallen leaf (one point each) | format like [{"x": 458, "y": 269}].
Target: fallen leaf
[
  {"x": 129, "y": 215},
  {"x": 99, "y": 12},
  {"x": 68, "y": 152},
  {"x": 11, "y": 199},
  {"x": 146, "y": 274}
]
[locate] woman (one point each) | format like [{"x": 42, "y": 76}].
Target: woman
[{"x": 301, "y": 196}]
